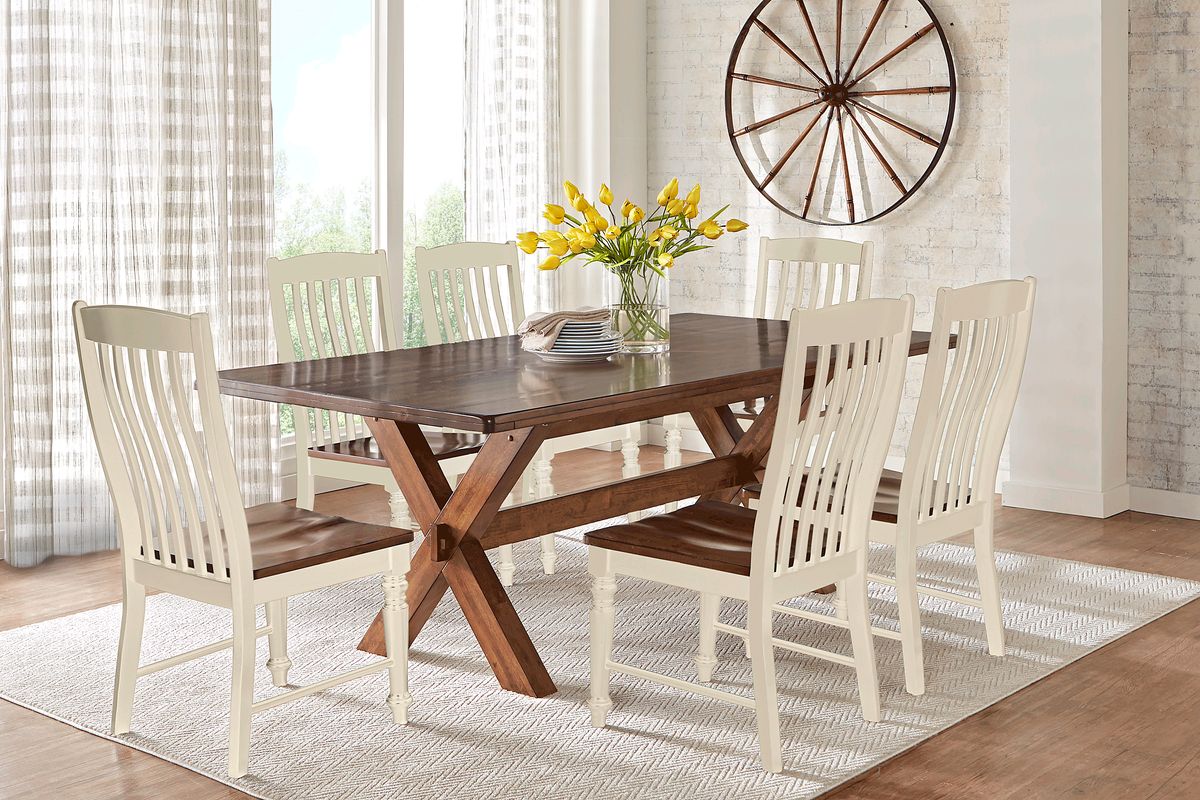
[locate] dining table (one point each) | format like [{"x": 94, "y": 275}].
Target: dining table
[{"x": 518, "y": 400}]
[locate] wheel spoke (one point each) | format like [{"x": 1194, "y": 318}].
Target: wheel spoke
[
  {"x": 774, "y": 37},
  {"x": 784, "y": 159},
  {"x": 900, "y": 48},
  {"x": 867, "y": 36},
  {"x": 912, "y": 90},
  {"x": 816, "y": 42},
  {"x": 846, "y": 167},
  {"x": 762, "y": 123},
  {"x": 837, "y": 63},
  {"x": 929, "y": 140},
  {"x": 742, "y": 76},
  {"x": 812, "y": 184},
  {"x": 883, "y": 161}
]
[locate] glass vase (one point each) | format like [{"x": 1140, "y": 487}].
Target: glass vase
[{"x": 641, "y": 308}]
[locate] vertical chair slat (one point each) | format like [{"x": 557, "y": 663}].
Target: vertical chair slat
[
  {"x": 138, "y": 436},
  {"x": 156, "y": 432},
  {"x": 206, "y": 496},
  {"x": 128, "y": 455},
  {"x": 183, "y": 481}
]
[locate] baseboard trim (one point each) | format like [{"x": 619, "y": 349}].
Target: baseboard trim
[
  {"x": 1165, "y": 503},
  {"x": 1062, "y": 500}
]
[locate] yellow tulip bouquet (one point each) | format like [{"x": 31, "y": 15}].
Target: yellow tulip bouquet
[{"x": 638, "y": 249}]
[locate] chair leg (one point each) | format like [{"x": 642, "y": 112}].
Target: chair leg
[
  {"x": 672, "y": 441},
  {"x": 839, "y": 600},
  {"x": 507, "y": 567},
  {"x": 395, "y": 635},
  {"x": 278, "y": 663},
  {"x": 989, "y": 588},
  {"x": 242, "y": 690},
  {"x": 306, "y": 496},
  {"x": 629, "y": 461},
  {"x": 766, "y": 701},
  {"x": 706, "y": 653},
  {"x": 604, "y": 590},
  {"x": 854, "y": 591},
  {"x": 399, "y": 508},
  {"x": 129, "y": 653},
  {"x": 543, "y": 488},
  {"x": 543, "y": 474},
  {"x": 910, "y": 618},
  {"x": 549, "y": 554}
]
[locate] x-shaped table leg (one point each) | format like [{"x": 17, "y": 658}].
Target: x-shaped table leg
[{"x": 451, "y": 556}]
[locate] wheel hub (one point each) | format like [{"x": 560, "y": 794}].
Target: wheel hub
[{"x": 835, "y": 94}]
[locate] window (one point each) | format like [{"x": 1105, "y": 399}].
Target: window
[
  {"x": 434, "y": 74},
  {"x": 323, "y": 95},
  {"x": 322, "y": 90}
]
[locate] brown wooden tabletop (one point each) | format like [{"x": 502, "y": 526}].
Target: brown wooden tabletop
[{"x": 491, "y": 386}]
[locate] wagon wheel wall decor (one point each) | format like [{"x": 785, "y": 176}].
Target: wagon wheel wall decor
[{"x": 838, "y": 110}]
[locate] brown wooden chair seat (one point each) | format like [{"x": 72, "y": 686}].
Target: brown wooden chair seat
[
  {"x": 444, "y": 444},
  {"x": 284, "y": 538},
  {"x": 887, "y": 496},
  {"x": 707, "y": 534}
]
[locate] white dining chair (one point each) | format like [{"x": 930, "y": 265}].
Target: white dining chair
[
  {"x": 473, "y": 290},
  {"x": 184, "y": 529},
  {"x": 947, "y": 487},
  {"x": 336, "y": 304},
  {"x": 826, "y": 454},
  {"x": 807, "y": 272}
]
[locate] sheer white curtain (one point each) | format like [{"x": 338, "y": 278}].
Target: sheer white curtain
[
  {"x": 135, "y": 167},
  {"x": 511, "y": 120}
]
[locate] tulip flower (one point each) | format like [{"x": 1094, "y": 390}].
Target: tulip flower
[
  {"x": 593, "y": 216},
  {"x": 574, "y": 242},
  {"x": 667, "y": 232},
  {"x": 572, "y": 191},
  {"x": 711, "y": 230},
  {"x": 675, "y": 207},
  {"x": 627, "y": 208},
  {"x": 591, "y": 227},
  {"x": 550, "y": 236},
  {"x": 637, "y": 215},
  {"x": 735, "y": 225},
  {"x": 554, "y": 214},
  {"x": 613, "y": 232},
  {"x": 605, "y": 195},
  {"x": 559, "y": 247},
  {"x": 690, "y": 210},
  {"x": 580, "y": 203},
  {"x": 528, "y": 241},
  {"x": 668, "y": 192},
  {"x": 587, "y": 238},
  {"x": 693, "y": 196},
  {"x": 666, "y": 260},
  {"x": 550, "y": 263},
  {"x": 654, "y": 236}
]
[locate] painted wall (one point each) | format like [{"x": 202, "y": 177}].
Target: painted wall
[
  {"x": 954, "y": 232},
  {"x": 1164, "y": 245}
]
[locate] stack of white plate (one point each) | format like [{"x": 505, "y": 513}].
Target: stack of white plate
[{"x": 583, "y": 341}]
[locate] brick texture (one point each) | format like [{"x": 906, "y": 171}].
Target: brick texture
[
  {"x": 1164, "y": 245},
  {"x": 952, "y": 233}
]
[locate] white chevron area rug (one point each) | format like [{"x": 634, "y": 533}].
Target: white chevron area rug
[{"x": 468, "y": 739}]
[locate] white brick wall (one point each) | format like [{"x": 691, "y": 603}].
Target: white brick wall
[
  {"x": 1164, "y": 245},
  {"x": 953, "y": 232}
]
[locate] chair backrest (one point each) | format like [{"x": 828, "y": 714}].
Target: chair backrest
[
  {"x": 967, "y": 397},
  {"x": 842, "y": 379},
  {"x": 812, "y": 273},
  {"x": 330, "y": 304},
  {"x": 470, "y": 290},
  {"x": 173, "y": 483}
]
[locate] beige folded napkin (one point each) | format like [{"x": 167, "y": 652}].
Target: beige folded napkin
[{"x": 539, "y": 331}]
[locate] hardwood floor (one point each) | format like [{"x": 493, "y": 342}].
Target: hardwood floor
[{"x": 1119, "y": 723}]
